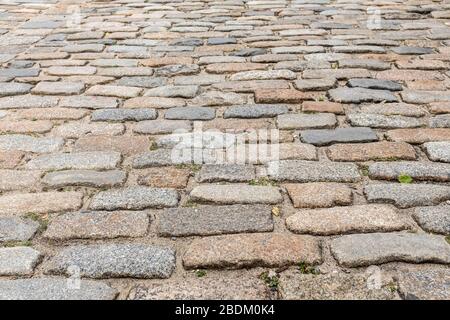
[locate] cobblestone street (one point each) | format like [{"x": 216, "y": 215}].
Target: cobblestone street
[{"x": 133, "y": 137}]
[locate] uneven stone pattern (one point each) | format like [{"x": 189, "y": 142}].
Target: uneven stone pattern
[
  {"x": 145, "y": 108},
  {"x": 18, "y": 261},
  {"x": 431, "y": 284}
]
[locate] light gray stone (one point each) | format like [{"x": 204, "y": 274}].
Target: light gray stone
[
  {"x": 214, "y": 220},
  {"x": 30, "y": 144},
  {"x": 340, "y": 135},
  {"x": 142, "y": 82},
  {"x": 438, "y": 151},
  {"x": 173, "y": 92},
  {"x": 78, "y": 160},
  {"x": 440, "y": 121},
  {"x": 162, "y": 126},
  {"x": 54, "y": 289},
  {"x": 17, "y": 229},
  {"x": 28, "y": 101},
  {"x": 19, "y": 73},
  {"x": 360, "y": 250},
  {"x": 434, "y": 219},
  {"x": 18, "y": 261},
  {"x": 416, "y": 170},
  {"x": 124, "y": 114},
  {"x": 231, "y": 194},
  {"x": 315, "y": 84},
  {"x": 306, "y": 121},
  {"x": 85, "y": 178},
  {"x": 229, "y": 173},
  {"x": 134, "y": 198},
  {"x": 89, "y": 102},
  {"x": 115, "y": 260},
  {"x": 313, "y": 171},
  {"x": 255, "y": 111},
  {"x": 359, "y": 95},
  {"x": 407, "y": 195},
  {"x": 13, "y": 89},
  {"x": 384, "y": 122},
  {"x": 431, "y": 284},
  {"x": 98, "y": 225},
  {"x": 59, "y": 88},
  {"x": 190, "y": 113}
]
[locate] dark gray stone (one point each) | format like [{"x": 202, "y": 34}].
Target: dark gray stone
[
  {"x": 340, "y": 135},
  {"x": 375, "y": 84}
]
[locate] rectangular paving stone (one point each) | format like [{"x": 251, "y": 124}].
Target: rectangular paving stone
[
  {"x": 342, "y": 220},
  {"x": 74, "y": 130},
  {"x": 407, "y": 195},
  {"x": 333, "y": 286},
  {"x": 17, "y": 229},
  {"x": 44, "y": 202},
  {"x": 417, "y": 170},
  {"x": 359, "y": 95},
  {"x": 13, "y": 89},
  {"x": 164, "y": 177},
  {"x": 88, "y": 102},
  {"x": 433, "y": 219},
  {"x": 19, "y": 142},
  {"x": 229, "y": 173},
  {"x": 18, "y": 179},
  {"x": 384, "y": 122},
  {"x": 28, "y": 101},
  {"x": 190, "y": 113},
  {"x": 76, "y": 160},
  {"x": 98, "y": 225},
  {"x": 241, "y": 287},
  {"x": 71, "y": 71},
  {"x": 429, "y": 284},
  {"x": 122, "y": 115},
  {"x": 126, "y": 145},
  {"x": 306, "y": 121},
  {"x": 10, "y": 159},
  {"x": 115, "y": 261},
  {"x": 25, "y": 126},
  {"x": 255, "y": 250},
  {"x": 282, "y": 96},
  {"x": 231, "y": 194},
  {"x": 312, "y": 171},
  {"x": 339, "y": 135},
  {"x": 114, "y": 91},
  {"x": 371, "y": 151},
  {"x": 255, "y": 111},
  {"x": 361, "y": 250},
  {"x": 54, "y": 289},
  {"x": 19, "y": 73},
  {"x": 85, "y": 178},
  {"x": 319, "y": 195},
  {"x": 134, "y": 198},
  {"x": 438, "y": 151},
  {"x": 214, "y": 220},
  {"x": 419, "y": 136},
  {"x": 18, "y": 261},
  {"x": 58, "y": 88}
]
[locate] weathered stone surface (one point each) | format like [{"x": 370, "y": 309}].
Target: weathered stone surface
[
  {"x": 25, "y": 126},
  {"x": 371, "y": 151},
  {"x": 214, "y": 220},
  {"x": 218, "y": 98},
  {"x": 88, "y": 102},
  {"x": 17, "y": 229},
  {"x": 306, "y": 121},
  {"x": 190, "y": 113},
  {"x": 115, "y": 260},
  {"x": 26, "y": 143},
  {"x": 240, "y": 287},
  {"x": 263, "y": 75},
  {"x": 281, "y": 96},
  {"x": 432, "y": 284},
  {"x": 359, "y": 95},
  {"x": 18, "y": 261},
  {"x": 333, "y": 286},
  {"x": 229, "y": 173},
  {"x": 13, "y": 89},
  {"x": 366, "y": 249},
  {"x": 341, "y": 220},
  {"x": 375, "y": 84},
  {"x": 384, "y": 122},
  {"x": 315, "y": 84},
  {"x": 230, "y": 194},
  {"x": 418, "y": 136},
  {"x": 27, "y": 101},
  {"x": 85, "y": 178},
  {"x": 161, "y": 126},
  {"x": 127, "y": 145},
  {"x": 54, "y": 289},
  {"x": 10, "y": 159},
  {"x": 416, "y": 170},
  {"x": 134, "y": 198},
  {"x": 322, "y": 106},
  {"x": 438, "y": 151},
  {"x": 58, "y": 88},
  {"x": 173, "y": 92},
  {"x": 339, "y": 135},
  {"x": 74, "y": 130},
  {"x": 45, "y": 202},
  {"x": 255, "y": 111},
  {"x": 440, "y": 121},
  {"x": 114, "y": 91},
  {"x": 311, "y": 171},
  {"x": 245, "y": 251},
  {"x": 97, "y": 225},
  {"x": 319, "y": 195},
  {"x": 391, "y": 109},
  {"x": 18, "y": 179},
  {"x": 164, "y": 177},
  {"x": 433, "y": 219},
  {"x": 124, "y": 115},
  {"x": 407, "y": 195},
  {"x": 76, "y": 160}
]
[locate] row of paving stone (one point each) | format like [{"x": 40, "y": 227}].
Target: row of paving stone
[{"x": 87, "y": 116}]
